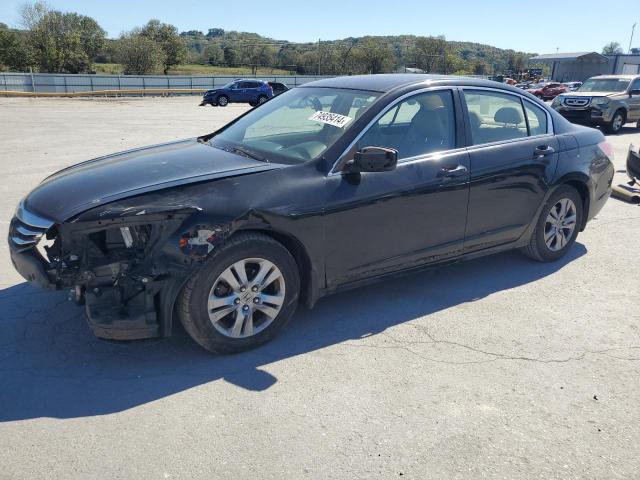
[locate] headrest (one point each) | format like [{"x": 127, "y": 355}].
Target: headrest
[{"x": 508, "y": 115}]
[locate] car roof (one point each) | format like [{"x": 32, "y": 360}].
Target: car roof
[{"x": 386, "y": 82}]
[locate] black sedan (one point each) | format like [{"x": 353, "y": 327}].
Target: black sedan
[{"x": 325, "y": 187}]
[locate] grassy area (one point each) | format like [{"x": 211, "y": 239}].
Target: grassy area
[
  {"x": 192, "y": 69},
  {"x": 108, "y": 68}
]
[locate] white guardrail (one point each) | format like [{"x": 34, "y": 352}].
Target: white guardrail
[{"x": 48, "y": 83}]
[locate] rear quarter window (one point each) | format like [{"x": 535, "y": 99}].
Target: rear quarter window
[{"x": 537, "y": 119}]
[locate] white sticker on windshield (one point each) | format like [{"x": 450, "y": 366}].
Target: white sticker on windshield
[{"x": 329, "y": 118}]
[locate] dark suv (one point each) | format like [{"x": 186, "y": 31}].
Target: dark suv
[{"x": 253, "y": 92}]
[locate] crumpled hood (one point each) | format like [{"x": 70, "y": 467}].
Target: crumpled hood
[{"x": 106, "y": 179}]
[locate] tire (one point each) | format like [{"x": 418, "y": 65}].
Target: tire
[
  {"x": 262, "y": 99},
  {"x": 223, "y": 101},
  {"x": 219, "y": 335},
  {"x": 617, "y": 122},
  {"x": 539, "y": 249}
]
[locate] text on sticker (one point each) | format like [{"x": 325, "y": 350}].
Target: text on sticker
[{"x": 329, "y": 118}]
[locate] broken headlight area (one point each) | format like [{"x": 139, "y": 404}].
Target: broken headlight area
[
  {"x": 116, "y": 267},
  {"x": 199, "y": 241}
]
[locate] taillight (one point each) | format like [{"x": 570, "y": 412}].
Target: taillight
[{"x": 607, "y": 149}]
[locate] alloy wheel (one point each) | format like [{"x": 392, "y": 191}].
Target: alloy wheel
[
  {"x": 617, "y": 122},
  {"x": 560, "y": 224},
  {"x": 246, "y": 297}
]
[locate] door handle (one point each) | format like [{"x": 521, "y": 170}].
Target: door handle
[
  {"x": 543, "y": 150},
  {"x": 451, "y": 172}
]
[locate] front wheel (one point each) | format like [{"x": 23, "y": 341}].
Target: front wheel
[
  {"x": 242, "y": 297},
  {"x": 223, "y": 101},
  {"x": 557, "y": 226},
  {"x": 616, "y": 123}
]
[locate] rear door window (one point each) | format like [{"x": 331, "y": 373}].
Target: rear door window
[{"x": 494, "y": 116}]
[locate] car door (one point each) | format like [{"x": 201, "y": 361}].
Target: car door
[
  {"x": 236, "y": 94},
  {"x": 251, "y": 91},
  {"x": 634, "y": 101},
  {"x": 513, "y": 156},
  {"x": 381, "y": 222}
]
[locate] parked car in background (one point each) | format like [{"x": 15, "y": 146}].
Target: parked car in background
[
  {"x": 335, "y": 184},
  {"x": 534, "y": 86},
  {"x": 549, "y": 91},
  {"x": 573, "y": 86},
  {"x": 278, "y": 88},
  {"x": 609, "y": 101},
  {"x": 253, "y": 92}
]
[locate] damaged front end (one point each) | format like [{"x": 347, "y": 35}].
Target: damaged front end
[{"x": 126, "y": 266}]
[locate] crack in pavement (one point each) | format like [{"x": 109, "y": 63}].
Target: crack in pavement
[{"x": 406, "y": 344}]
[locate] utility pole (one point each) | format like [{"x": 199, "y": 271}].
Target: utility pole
[
  {"x": 318, "y": 57},
  {"x": 631, "y": 39}
]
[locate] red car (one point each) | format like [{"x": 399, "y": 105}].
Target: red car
[{"x": 550, "y": 91}]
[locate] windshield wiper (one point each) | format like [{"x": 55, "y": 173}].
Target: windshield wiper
[{"x": 248, "y": 154}]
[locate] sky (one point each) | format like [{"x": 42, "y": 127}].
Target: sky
[{"x": 536, "y": 27}]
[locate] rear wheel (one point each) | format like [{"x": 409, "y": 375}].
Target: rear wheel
[
  {"x": 557, "y": 226},
  {"x": 262, "y": 99},
  {"x": 223, "y": 100},
  {"x": 242, "y": 296},
  {"x": 616, "y": 123}
]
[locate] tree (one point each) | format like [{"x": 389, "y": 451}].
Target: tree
[
  {"x": 167, "y": 38},
  {"x": 480, "y": 68},
  {"x": 256, "y": 55},
  {"x": 31, "y": 13},
  {"x": 139, "y": 55},
  {"x": 375, "y": 55},
  {"x": 231, "y": 56},
  {"x": 428, "y": 53},
  {"x": 215, "y": 32},
  {"x": 14, "y": 53},
  {"x": 213, "y": 54},
  {"x": 65, "y": 42},
  {"x": 612, "y": 48}
]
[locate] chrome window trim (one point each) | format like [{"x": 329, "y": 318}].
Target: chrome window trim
[
  {"x": 505, "y": 142},
  {"x": 381, "y": 113}
]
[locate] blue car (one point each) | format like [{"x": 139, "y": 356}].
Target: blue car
[{"x": 253, "y": 92}]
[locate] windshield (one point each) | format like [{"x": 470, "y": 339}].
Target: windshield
[
  {"x": 296, "y": 126},
  {"x": 605, "y": 85}
]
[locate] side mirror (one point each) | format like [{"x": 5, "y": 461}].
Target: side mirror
[
  {"x": 635, "y": 91},
  {"x": 373, "y": 159}
]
